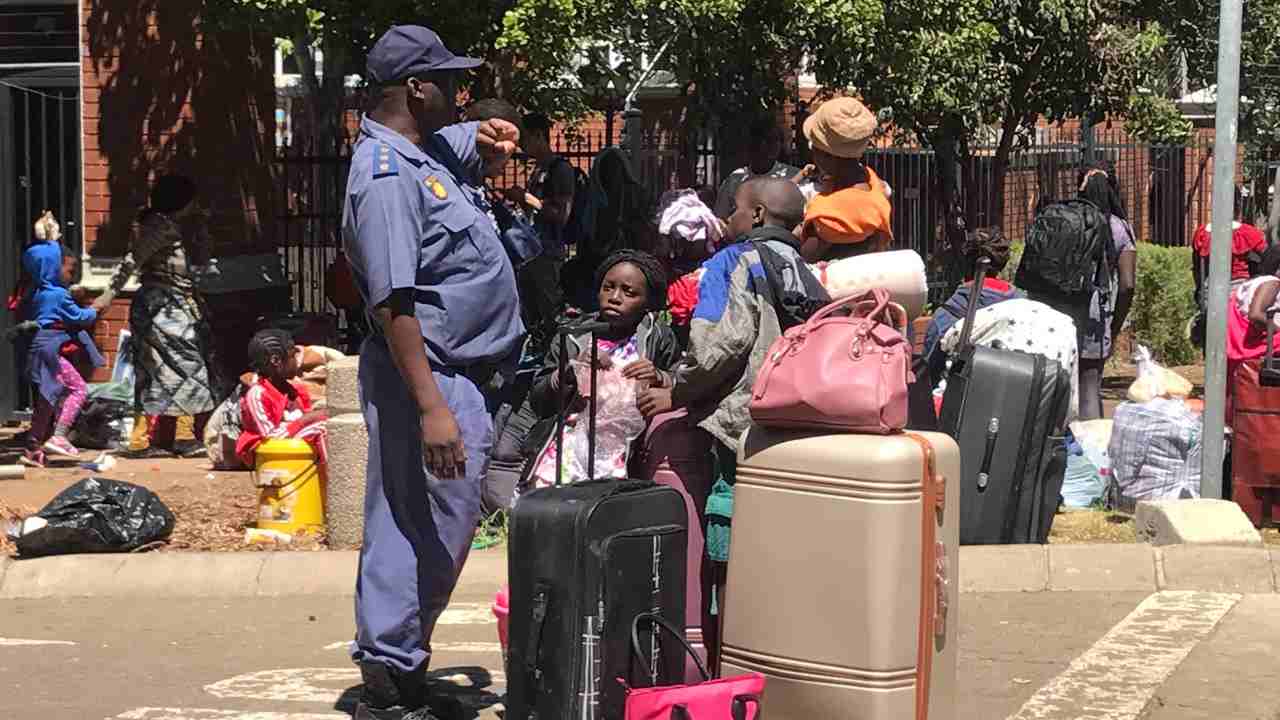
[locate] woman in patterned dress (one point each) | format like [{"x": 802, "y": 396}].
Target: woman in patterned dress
[{"x": 172, "y": 352}]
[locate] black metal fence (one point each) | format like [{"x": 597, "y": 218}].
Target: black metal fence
[
  {"x": 1166, "y": 189},
  {"x": 40, "y": 169}
]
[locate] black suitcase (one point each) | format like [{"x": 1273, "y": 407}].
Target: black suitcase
[
  {"x": 1007, "y": 411},
  {"x": 585, "y": 560}
]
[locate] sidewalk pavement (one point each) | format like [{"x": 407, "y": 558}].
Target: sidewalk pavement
[{"x": 989, "y": 569}]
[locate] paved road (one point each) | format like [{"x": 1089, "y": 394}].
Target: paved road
[{"x": 1046, "y": 656}]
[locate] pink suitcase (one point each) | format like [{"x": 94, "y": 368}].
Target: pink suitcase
[
  {"x": 842, "y": 582},
  {"x": 677, "y": 453}
]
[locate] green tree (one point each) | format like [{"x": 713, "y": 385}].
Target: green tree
[
  {"x": 344, "y": 30},
  {"x": 949, "y": 69},
  {"x": 728, "y": 58},
  {"x": 1193, "y": 26}
]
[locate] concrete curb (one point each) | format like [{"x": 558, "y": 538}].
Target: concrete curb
[
  {"x": 983, "y": 569},
  {"x": 1119, "y": 568}
]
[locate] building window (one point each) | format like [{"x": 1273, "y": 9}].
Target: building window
[{"x": 39, "y": 34}]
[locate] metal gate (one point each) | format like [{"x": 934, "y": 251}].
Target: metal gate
[{"x": 39, "y": 170}]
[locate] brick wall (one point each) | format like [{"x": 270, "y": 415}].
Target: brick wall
[{"x": 162, "y": 96}]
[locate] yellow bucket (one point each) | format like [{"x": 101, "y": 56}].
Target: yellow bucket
[{"x": 290, "y": 487}]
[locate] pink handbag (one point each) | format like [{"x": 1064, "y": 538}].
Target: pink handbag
[
  {"x": 735, "y": 698},
  {"x": 836, "y": 372}
]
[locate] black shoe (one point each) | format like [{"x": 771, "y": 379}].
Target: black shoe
[
  {"x": 189, "y": 449},
  {"x": 389, "y": 695},
  {"x": 397, "y": 712},
  {"x": 148, "y": 453}
]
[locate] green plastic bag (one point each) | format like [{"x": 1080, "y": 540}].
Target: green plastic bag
[{"x": 719, "y": 520}]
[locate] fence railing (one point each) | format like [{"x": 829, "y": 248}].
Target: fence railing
[{"x": 1166, "y": 189}]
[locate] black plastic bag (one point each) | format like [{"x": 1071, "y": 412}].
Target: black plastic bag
[
  {"x": 97, "y": 515},
  {"x": 100, "y": 425}
]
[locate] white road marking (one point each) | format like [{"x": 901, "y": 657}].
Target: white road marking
[
  {"x": 20, "y": 642},
  {"x": 467, "y": 614},
  {"x": 202, "y": 714},
  {"x": 437, "y": 647},
  {"x": 1114, "y": 679},
  {"x": 288, "y": 685}
]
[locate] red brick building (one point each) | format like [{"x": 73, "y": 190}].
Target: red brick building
[
  {"x": 100, "y": 97},
  {"x": 160, "y": 96}
]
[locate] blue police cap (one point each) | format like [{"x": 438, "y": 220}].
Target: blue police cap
[{"x": 408, "y": 50}]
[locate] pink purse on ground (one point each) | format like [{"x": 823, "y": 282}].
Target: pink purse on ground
[
  {"x": 735, "y": 698},
  {"x": 835, "y": 372}
]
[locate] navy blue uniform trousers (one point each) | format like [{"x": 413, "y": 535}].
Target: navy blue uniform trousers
[{"x": 417, "y": 527}]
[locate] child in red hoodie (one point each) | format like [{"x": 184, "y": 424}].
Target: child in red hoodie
[{"x": 275, "y": 407}]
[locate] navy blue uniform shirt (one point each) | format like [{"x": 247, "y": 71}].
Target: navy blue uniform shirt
[{"x": 411, "y": 221}]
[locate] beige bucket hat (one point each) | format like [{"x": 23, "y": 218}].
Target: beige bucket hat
[{"x": 842, "y": 127}]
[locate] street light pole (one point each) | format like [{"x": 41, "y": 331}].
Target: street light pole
[{"x": 1224, "y": 179}]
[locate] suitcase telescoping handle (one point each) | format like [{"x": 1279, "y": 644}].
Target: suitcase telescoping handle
[
  {"x": 971, "y": 313},
  {"x": 562, "y": 364}
]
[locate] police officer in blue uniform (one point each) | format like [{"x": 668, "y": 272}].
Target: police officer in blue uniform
[{"x": 446, "y": 318}]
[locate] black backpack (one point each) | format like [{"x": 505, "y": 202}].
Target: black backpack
[
  {"x": 793, "y": 308},
  {"x": 588, "y": 199},
  {"x": 1065, "y": 251}
]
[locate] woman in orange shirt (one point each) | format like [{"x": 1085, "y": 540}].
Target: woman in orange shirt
[{"x": 851, "y": 215}]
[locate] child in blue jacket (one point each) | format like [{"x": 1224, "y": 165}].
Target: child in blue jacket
[{"x": 61, "y": 340}]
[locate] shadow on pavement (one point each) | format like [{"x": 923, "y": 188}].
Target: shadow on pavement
[{"x": 461, "y": 701}]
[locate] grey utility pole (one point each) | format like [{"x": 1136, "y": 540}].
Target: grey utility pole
[{"x": 1224, "y": 179}]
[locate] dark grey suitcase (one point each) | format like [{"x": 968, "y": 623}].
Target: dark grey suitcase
[
  {"x": 1007, "y": 411},
  {"x": 584, "y": 561}
]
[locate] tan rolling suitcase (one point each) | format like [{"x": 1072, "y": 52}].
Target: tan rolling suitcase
[{"x": 843, "y": 581}]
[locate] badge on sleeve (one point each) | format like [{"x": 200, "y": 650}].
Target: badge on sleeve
[
  {"x": 385, "y": 162},
  {"x": 437, "y": 187}
]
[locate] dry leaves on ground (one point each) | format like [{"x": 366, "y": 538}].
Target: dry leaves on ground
[
  {"x": 10, "y": 514},
  {"x": 206, "y": 521},
  {"x": 217, "y": 523},
  {"x": 1099, "y": 527}
]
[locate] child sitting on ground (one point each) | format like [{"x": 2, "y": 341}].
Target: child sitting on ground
[
  {"x": 632, "y": 291},
  {"x": 275, "y": 407},
  {"x": 60, "y": 344}
]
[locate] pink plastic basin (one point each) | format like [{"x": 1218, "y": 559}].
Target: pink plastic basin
[{"x": 501, "y": 611}]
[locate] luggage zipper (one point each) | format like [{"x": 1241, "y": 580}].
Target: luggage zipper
[
  {"x": 655, "y": 532},
  {"x": 541, "y": 596},
  {"x": 1024, "y": 459}
]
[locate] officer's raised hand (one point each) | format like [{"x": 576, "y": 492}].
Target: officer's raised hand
[{"x": 496, "y": 139}]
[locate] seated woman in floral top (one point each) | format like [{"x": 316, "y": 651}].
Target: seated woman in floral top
[{"x": 632, "y": 292}]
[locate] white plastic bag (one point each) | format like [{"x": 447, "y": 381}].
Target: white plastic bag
[
  {"x": 618, "y": 423},
  {"x": 123, "y": 371},
  {"x": 1089, "y": 465},
  {"x": 1154, "y": 380}
]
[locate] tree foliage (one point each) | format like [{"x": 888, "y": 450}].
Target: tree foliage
[
  {"x": 1193, "y": 27},
  {"x": 950, "y": 70},
  {"x": 344, "y": 30}
]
